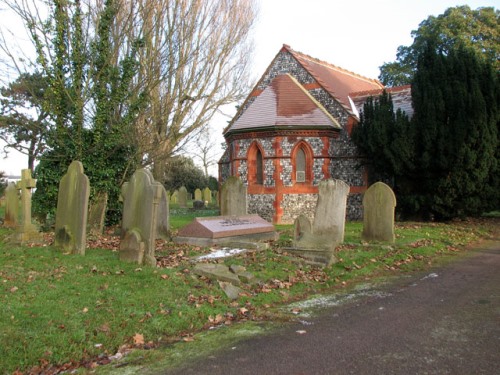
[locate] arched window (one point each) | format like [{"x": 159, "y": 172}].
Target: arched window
[
  {"x": 255, "y": 160},
  {"x": 300, "y": 165},
  {"x": 302, "y": 161},
  {"x": 259, "y": 176}
]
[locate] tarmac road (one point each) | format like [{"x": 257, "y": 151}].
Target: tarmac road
[{"x": 446, "y": 321}]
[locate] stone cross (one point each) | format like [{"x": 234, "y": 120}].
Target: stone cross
[
  {"x": 26, "y": 230},
  {"x": 25, "y": 185}
]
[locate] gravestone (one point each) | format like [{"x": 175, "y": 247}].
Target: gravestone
[
  {"x": 317, "y": 241},
  {"x": 379, "y": 203},
  {"x": 197, "y": 195},
  {"x": 233, "y": 197},
  {"x": 163, "y": 223},
  {"x": 25, "y": 230},
  {"x": 142, "y": 196},
  {"x": 97, "y": 213},
  {"x": 11, "y": 206},
  {"x": 174, "y": 197},
  {"x": 72, "y": 210},
  {"x": 207, "y": 196},
  {"x": 182, "y": 197}
]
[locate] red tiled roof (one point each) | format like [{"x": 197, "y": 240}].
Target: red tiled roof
[
  {"x": 284, "y": 103},
  {"x": 337, "y": 81}
]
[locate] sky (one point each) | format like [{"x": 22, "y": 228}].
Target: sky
[{"x": 357, "y": 35}]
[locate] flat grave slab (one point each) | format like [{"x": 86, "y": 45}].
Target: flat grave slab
[{"x": 222, "y": 229}]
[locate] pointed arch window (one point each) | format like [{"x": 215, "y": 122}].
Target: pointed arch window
[
  {"x": 302, "y": 160},
  {"x": 255, "y": 160}
]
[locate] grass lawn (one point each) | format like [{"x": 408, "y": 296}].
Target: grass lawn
[{"x": 62, "y": 311}]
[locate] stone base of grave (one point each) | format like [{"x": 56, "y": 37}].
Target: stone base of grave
[
  {"x": 317, "y": 257},
  {"x": 316, "y": 249},
  {"x": 244, "y": 242},
  {"x": 24, "y": 235}
]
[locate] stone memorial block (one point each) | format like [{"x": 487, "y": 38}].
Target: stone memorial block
[
  {"x": 97, "y": 213},
  {"x": 206, "y": 231},
  {"x": 233, "y": 197},
  {"x": 174, "y": 197},
  {"x": 207, "y": 195},
  {"x": 25, "y": 231},
  {"x": 11, "y": 206},
  {"x": 163, "y": 222},
  {"x": 142, "y": 196},
  {"x": 198, "y": 195},
  {"x": 317, "y": 241},
  {"x": 72, "y": 210},
  {"x": 379, "y": 203},
  {"x": 182, "y": 197}
]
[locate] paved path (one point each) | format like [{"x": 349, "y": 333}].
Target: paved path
[{"x": 446, "y": 321}]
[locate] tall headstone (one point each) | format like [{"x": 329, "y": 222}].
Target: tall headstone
[
  {"x": 163, "y": 223},
  {"x": 11, "y": 206},
  {"x": 182, "y": 197},
  {"x": 197, "y": 195},
  {"x": 329, "y": 216},
  {"x": 141, "y": 200},
  {"x": 317, "y": 241},
  {"x": 26, "y": 230},
  {"x": 233, "y": 197},
  {"x": 379, "y": 203},
  {"x": 207, "y": 195},
  {"x": 72, "y": 210},
  {"x": 97, "y": 213}
]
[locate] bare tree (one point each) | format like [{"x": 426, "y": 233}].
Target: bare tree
[
  {"x": 196, "y": 59},
  {"x": 193, "y": 58}
]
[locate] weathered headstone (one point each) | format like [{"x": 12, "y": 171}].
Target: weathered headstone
[
  {"x": 174, "y": 197},
  {"x": 97, "y": 213},
  {"x": 197, "y": 195},
  {"x": 233, "y": 197},
  {"x": 207, "y": 196},
  {"x": 11, "y": 206},
  {"x": 379, "y": 203},
  {"x": 141, "y": 199},
  {"x": 25, "y": 231},
  {"x": 317, "y": 241},
  {"x": 182, "y": 197},
  {"x": 329, "y": 216},
  {"x": 72, "y": 210},
  {"x": 163, "y": 223}
]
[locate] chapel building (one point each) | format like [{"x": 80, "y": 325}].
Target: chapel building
[{"x": 293, "y": 131}]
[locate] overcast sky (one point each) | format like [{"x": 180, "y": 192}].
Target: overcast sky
[{"x": 357, "y": 35}]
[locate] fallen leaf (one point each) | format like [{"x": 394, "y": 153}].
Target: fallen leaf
[
  {"x": 85, "y": 310},
  {"x": 188, "y": 339},
  {"x": 138, "y": 339},
  {"x": 301, "y": 332},
  {"x": 165, "y": 277},
  {"x": 14, "y": 289}
]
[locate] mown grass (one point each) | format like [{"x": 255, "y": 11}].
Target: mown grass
[{"x": 68, "y": 311}]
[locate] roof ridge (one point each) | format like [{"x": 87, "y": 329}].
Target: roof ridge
[
  {"x": 374, "y": 91},
  {"x": 330, "y": 65}
]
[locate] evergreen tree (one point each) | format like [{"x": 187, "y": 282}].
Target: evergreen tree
[{"x": 456, "y": 125}]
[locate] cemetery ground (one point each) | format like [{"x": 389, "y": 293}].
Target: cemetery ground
[{"x": 93, "y": 313}]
